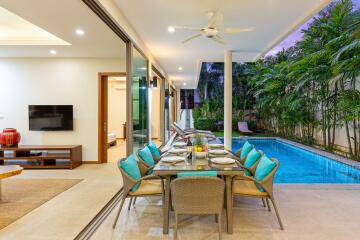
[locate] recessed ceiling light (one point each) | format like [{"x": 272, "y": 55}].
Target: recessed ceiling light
[
  {"x": 180, "y": 68},
  {"x": 53, "y": 52},
  {"x": 184, "y": 83},
  {"x": 79, "y": 32},
  {"x": 171, "y": 29}
]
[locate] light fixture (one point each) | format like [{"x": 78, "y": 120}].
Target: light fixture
[
  {"x": 180, "y": 68},
  {"x": 154, "y": 81},
  {"x": 171, "y": 29},
  {"x": 79, "y": 32},
  {"x": 184, "y": 84},
  {"x": 52, "y": 52}
]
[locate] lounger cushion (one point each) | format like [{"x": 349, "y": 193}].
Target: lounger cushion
[
  {"x": 130, "y": 166},
  {"x": 251, "y": 159},
  {"x": 197, "y": 174},
  {"x": 148, "y": 187},
  {"x": 154, "y": 150},
  {"x": 263, "y": 169},
  {"x": 246, "y": 187},
  {"x": 146, "y": 156},
  {"x": 245, "y": 149}
]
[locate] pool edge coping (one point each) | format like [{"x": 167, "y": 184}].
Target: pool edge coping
[{"x": 320, "y": 152}]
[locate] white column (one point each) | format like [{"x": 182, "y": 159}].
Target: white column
[{"x": 228, "y": 99}]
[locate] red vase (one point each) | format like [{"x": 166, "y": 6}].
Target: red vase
[{"x": 9, "y": 137}]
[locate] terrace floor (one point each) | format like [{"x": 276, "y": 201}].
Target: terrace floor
[{"x": 319, "y": 212}]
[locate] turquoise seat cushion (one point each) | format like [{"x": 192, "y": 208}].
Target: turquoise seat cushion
[
  {"x": 154, "y": 149},
  {"x": 263, "y": 169},
  {"x": 245, "y": 149},
  {"x": 197, "y": 174},
  {"x": 131, "y": 167},
  {"x": 146, "y": 156}
]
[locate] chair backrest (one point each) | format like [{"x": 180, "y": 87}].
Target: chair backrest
[
  {"x": 144, "y": 168},
  {"x": 177, "y": 129},
  {"x": 243, "y": 126},
  {"x": 268, "y": 182},
  {"x": 169, "y": 143},
  {"x": 238, "y": 154},
  {"x": 178, "y": 126},
  {"x": 128, "y": 182},
  {"x": 197, "y": 195},
  {"x": 253, "y": 167}
]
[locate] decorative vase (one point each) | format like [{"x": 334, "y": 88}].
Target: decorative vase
[{"x": 9, "y": 137}]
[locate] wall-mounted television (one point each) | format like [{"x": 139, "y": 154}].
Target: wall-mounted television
[{"x": 50, "y": 117}]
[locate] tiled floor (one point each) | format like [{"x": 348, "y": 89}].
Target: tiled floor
[
  {"x": 64, "y": 216},
  {"x": 308, "y": 212}
]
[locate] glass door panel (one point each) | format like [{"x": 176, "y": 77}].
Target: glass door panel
[
  {"x": 167, "y": 112},
  {"x": 140, "y": 134}
]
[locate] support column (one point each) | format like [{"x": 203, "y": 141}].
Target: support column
[{"x": 228, "y": 99}]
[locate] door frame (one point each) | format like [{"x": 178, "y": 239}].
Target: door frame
[{"x": 103, "y": 105}]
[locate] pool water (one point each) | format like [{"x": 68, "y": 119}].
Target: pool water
[{"x": 301, "y": 166}]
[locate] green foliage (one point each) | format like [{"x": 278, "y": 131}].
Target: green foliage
[
  {"x": 205, "y": 124},
  {"x": 311, "y": 86}
]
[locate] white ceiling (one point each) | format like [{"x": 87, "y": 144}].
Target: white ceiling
[
  {"x": 62, "y": 18},
  {"x": 273, "y": 20},
  {"x": 15, "y": 30}
]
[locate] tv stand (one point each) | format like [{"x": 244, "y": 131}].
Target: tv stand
[{"x": 42, "y": 156}]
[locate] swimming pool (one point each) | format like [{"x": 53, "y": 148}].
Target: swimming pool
[{"x": 301, "y": 166}]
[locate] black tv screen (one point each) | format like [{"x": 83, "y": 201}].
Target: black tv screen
[
  {"x": 50, "y": 117},
  {"x": 187, "y": 98}
]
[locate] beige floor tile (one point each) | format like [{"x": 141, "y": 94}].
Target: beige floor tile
[{"x": 308, "y": 212}]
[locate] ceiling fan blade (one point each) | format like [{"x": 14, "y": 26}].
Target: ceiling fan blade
[
  {"x": 187, "y": 28},
  {"x": 215, "y": 19},
  {"x": 191, "y": 38},
  {"x": 237, "y": 30},
  {"x": 219, "y": 39}
]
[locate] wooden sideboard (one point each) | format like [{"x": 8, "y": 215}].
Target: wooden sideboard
[{"x": 42, "y": 156}]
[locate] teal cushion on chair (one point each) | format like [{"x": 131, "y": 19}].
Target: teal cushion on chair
[
  {"x": 197, "y": 174},
  {"x": 251, "y": 159},
  {"x": 146, "y": 156},
  {"x": 154, "y": 149},
  {"x": 263, "y": 169},
  {"x": 245, "y": 149},
  {"x": 130, "y": 166}
]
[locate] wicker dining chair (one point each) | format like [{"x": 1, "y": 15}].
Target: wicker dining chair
[
  {"x": 198, "y": 196},
  {"x": 149, "y": 187},
  {"x": 156, "y": 158},
  {"x": 144, "y": 167},
  {"x": 247, "y": 186},
  {"x": 238, "y": 154}
]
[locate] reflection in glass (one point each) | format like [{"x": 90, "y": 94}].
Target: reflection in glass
[
  {"x": 140, "y": 104},
  {"x": 167, "y": 113}
]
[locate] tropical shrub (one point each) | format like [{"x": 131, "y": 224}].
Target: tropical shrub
[{"x": 205, "y": 124}]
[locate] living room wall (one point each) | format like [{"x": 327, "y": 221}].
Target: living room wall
[{"x": 41, "y": 81}]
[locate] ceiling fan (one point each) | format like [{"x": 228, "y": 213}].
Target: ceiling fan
[{"x": 213, "y": 29}]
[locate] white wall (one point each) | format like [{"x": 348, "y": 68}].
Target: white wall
[
  {"x": 72, "y": 81},
  {"x": 116, "y": 108}
]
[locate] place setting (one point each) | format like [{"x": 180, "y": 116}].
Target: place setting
[
  {"x": 223, "y": 162},
  {"x": 217, "y": 152},
  {"x": 172, "y": 160},
  {"x": 216, "y": 146}
]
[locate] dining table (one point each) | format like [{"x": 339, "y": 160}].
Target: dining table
[{"x": 168, "y": 171}]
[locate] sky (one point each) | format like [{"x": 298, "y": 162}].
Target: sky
[{"x": 297, "y": 35}]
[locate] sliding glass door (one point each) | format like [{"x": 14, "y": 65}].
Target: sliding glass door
[
  {"x": 167, "y": 112},
  {"x": 140, "y": 133}
]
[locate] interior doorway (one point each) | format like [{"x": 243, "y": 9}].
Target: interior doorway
[{"x": 112, "y": 116}]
